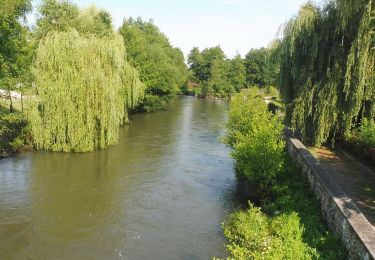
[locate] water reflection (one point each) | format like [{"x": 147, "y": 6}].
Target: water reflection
[{"x": 160, "y": 194}]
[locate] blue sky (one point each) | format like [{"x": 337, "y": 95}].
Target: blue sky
[{"x": 235, "y": 25}]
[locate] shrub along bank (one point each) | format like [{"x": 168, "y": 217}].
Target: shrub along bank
[
  {"x": 286, "y": 223},
  {"x": 361, "y": 141},
  {"x": 13, "y": 132}
]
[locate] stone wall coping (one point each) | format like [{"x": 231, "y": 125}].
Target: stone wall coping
[{"x": 361, "y": 226}]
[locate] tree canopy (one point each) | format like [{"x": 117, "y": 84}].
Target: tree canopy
[
  {"x": 15, "y": 55},
  {"x": 327, "y": 68},
  {"x": 161, "y": 66},
  {"x": 215, "y": 74},
  {"x": 255, "y": 63},
  {"x": 84, "y": 85},
  {"x": 62, "y": 15},
  {"x": 56, "y": 15},
  {"x": 261, "y": 67}
]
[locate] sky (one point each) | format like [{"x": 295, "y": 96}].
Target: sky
[{"x": 235, "y": 25}]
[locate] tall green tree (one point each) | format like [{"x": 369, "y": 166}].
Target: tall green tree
[
  {"x": 272, "y": 67},
  {"x": 201, "y": 63},
  {"x": 237, "y": 73},
  {"x": 56, "y": 15},
  {"x": 217, "y": 85},
  {"x": 215, "y": 74},
  {"x": 15, "y": 49},
  {"x": 255, "y": 64},
  {"x": 93, "y": 21},
  {"x": 197, "y": 65},
  {"x": 161, "y": 66},
  {"x": 63, "y": 15},
  {"x": 84, "y": 85},
  {"x": 327, "y": 68}
]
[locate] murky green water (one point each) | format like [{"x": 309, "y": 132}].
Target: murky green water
[{"x": 161, "y": 193}]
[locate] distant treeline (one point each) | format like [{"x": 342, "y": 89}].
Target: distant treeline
[{"x": 212, "y": 74}]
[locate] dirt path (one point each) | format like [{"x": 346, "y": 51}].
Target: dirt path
[{"x": 355, "y": 178}]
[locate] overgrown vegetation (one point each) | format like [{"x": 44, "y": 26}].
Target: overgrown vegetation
[
  {"x": 287, "y": 227},
  {"x": 14, "y": 132},
  {"x": 255, "y": 135},
  {"x": 361, "y": 141},
  {"x": 289, "y": 224},
  {"x": 15, "y": 59},
  {"x": 327, "y": 68},
  {"x": 366, "y": 133}
]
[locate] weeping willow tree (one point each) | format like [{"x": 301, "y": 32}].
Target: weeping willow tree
[
  {"x": 327, "y": 68},
  {"x": 84, "y": 87}
]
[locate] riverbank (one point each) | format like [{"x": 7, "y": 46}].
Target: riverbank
[
  {"x": 161, "y": 193},
  {"x": 338, "y": 207},
  {"x": 286, "y": 222},
  {"x": 15, "y": 135},
  {"x": 288, "y": 225}
]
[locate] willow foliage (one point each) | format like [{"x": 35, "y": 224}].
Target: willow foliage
[
  {"x": 327, "y": 68},
  {"x": 84, "y": 87}
]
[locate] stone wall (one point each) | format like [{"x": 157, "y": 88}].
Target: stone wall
[{"x": 341, "y": 214}]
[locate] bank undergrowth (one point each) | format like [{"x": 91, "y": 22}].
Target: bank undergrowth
[
  {"x": 14, "y": 132},
  {"x": 361, "y": 141},
  {"x": 285, "y": 222}
]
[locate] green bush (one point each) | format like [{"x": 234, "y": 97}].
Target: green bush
[
  {"x": 197, "y": 91},
  {"x": 272, "y": 91},
  {"x": 361, "y": 141},
  {"x": 246, "y": 108},
  {"x": 287, "y": 227},
  {"x": 13, "y": 132},
  {"x": 366, "y": 133},
  {"x": 256, "y": 136},
  {"x": 254, "y": 235},
  {"x": 290, "y": 225},
  {"x": 293, "y": 196},
  {"x": 152, "y": 103}
]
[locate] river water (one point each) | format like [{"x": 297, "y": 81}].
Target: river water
[{"x": 161, "y": 193}]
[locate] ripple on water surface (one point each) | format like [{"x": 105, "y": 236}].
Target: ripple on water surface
[{"x": 161, "y": 193}]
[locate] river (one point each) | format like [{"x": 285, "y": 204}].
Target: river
[{"x": 161, "y": 193}]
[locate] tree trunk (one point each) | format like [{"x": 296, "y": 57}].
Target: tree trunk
[
  {"x": 21, "y": 102},
  {"x": 11, "y": 109}
]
